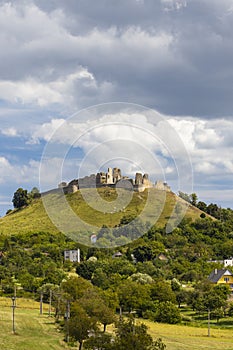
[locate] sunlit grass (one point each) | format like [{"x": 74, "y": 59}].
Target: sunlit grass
[
  {"x": 33, "y": 331},
  {"x": 159, "y": 209}
]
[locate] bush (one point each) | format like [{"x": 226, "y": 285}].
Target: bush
[{"x": 166, "y": 312}]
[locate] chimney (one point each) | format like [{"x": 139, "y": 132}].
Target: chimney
[{"x": 215, "y": 271}]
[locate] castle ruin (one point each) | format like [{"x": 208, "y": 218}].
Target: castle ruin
[{"x": 110, "y": 179}]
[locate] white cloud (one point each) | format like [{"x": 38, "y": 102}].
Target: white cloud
[
  {"x": 126, "y": 140},
  {"x": 171, "y": 5},
  {"x": 19, "y": 174},
  {"x": 59, "y": 91},
  {"x": 11, "y": 132},
  {"x": 172, "y": 55},
  {"x": 210, "y": 147},
  {"x": 53, "y": 66}
]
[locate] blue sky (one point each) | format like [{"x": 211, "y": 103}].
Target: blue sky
[{"x": 61, "y": 57}]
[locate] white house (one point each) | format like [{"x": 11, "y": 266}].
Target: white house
[
  {"x": 228, "y": 262},
  {"x": 72, "y": 255}
]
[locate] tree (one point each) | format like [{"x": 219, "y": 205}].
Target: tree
[
  {"x": 162, "y": 291},
  {"x": 20, "y": 198},
  {"x": 216, "y": 298},
  {"x": 35, "y": 193},
  {"x": 184, "y": 196},
  {"x": 86, "y": 268},
  {"x": 95, "y": 307},
  {"x": 142, "y": 278},
  {"x": 230, "y": 310},
  {"x": 193, "y": 199},
  {"x": 214, "y": 210},
  {"x": 132, "y": 295},
  {"x": 131, "y": 336},
  {"x": 80, "y": 324},
  {"x": 167, "y": 312},
  {"x": 99, "y": 341},
  {"x": 202, "y": 206},
  {"x": 100, "y": 279},
  {"x": 75, "y": 287}
]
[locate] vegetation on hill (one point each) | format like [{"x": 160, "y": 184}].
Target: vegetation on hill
[
  {"x": 160, "y": 208},
  {"x": 160, "y": 276}
]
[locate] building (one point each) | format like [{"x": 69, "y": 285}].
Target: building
[
  {"x": 162, "y": 257},
  {"x": 222, "y": 276},
  {"x": 228, "y": 262},
  {"x": 110, "y": 179},
  {"x": 72, "y": 255},
  {"x": 162, "y": 186}
]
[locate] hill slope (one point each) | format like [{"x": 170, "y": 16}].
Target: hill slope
[{"x": 154, "y": 206}]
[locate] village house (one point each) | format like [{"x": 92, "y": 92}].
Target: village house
[
  {"x": 72, "y": 255},
  {"x": 222, "y": 276}
]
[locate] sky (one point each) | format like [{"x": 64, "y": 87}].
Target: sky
[{"x": 145, "y": 85}]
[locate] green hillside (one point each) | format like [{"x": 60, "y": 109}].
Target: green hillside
[{"x": 153, "y": 206}]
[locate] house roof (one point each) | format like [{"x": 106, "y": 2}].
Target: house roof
[
  {"x": 217, "y": 274},
  {"x": 162, "y": 257},
  {"x": 117, "y": 255}
]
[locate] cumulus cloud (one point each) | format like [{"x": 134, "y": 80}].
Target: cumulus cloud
[
  {"x": 132, "y": 141},
  {"x": 171, "y": 55},
  {"x": 43, "y": 94},
  {"x": 19, "y": 174},
  {"x": 72, "y": 54},
  {"x": 11, "y": 132}
]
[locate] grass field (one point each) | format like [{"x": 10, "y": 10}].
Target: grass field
[
  {"x": 35, "y": 332},
  {"x": 159, "y": 209},
  {"x": 178, "y": 337}
]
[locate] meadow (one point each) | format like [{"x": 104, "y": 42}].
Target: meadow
[
  {"x": 39, "y": 332},
  {"x": 32, "y": 330}
]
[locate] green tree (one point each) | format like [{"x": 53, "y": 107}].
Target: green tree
[
  {"x": 167, "y": 312},
  {"x": 20, "y": 198},
  {"x": 202, "y": 206},
  {"x": 35, "y": 193},
  {"x": 193, "y": 199},
  {"x": 99, "y": 341},
  {"x": 80, "y": 324},
  {"x": 132, "y": 336},
  {"x": 162, "y": 291},
  {"x": 75, "y": 287},
  {"x": 141, "y": 278},
  {"x": 216, "y": 298},
  {"x": 96, "y": 307},
  {"x": 230, "y": 310},
  {"x": 132, "y": 295},
  {"x": 184, "y": 196}
]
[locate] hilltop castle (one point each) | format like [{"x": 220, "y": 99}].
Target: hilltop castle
[{"x": 112, "y": 178}]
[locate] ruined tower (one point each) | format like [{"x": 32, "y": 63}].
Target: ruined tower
[
  {"x": 109, "y": 176},
  {"x": 138, "y": 179},
  {"x": 116, "y": 175}
]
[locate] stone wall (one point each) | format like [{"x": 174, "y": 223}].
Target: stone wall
[{"x": 111, "y": 178}]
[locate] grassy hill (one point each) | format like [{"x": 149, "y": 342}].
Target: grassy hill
[{"x": 153, "y": 206}]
